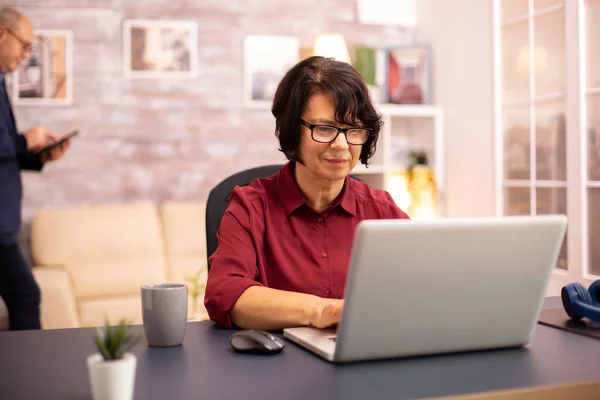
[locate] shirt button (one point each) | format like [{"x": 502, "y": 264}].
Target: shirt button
[
  {"x": 327, "y": 291},
  {"x": 321, "y": 219},
  {"x": 324, "y": 255}
]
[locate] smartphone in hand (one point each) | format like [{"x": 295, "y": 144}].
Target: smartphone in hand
[{"x": 59, "y": 142}]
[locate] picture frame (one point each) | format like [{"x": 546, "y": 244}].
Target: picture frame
[
  {"x": 161, "y": 49},
  {"x": 408, "y": 75},
  {"x": 396, "y": 13},
  {"x": 46, "y": 78},
  {"x": 266, "y": 60}
]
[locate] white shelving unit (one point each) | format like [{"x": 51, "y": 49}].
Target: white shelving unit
[{"x": 406, "y": 128}]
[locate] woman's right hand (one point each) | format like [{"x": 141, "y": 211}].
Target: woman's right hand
[{"x": 327, "y": 313}]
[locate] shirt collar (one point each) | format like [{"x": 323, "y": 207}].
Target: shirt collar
[{"x": 292, "y": 198}]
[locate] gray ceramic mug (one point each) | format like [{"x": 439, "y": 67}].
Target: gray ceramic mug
[{"x": 165, "y": 312}]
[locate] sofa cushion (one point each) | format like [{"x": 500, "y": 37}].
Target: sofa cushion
[
  {"x": 107, "y": 250},
  {"x": 93, "y": 312},
  {"x": 185, "y": 238},
  {"x": 184, "y": 231}
]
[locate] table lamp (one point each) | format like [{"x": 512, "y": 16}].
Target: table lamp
[{"x": 331, "y": 45}]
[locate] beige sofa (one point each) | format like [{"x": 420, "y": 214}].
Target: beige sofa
[{"x": 90, "y": 261}]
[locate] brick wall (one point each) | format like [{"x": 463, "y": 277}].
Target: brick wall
[{"x": 167, "y": 139}]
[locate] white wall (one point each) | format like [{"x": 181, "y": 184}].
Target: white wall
[{"x": 460, "y": 33}]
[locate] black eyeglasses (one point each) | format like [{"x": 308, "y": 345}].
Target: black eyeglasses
[
  {"x": 328, "y": 133},
  {"x": 26, "y": 46}
]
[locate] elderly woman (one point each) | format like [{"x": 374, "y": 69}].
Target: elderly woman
[{"x": 285, "y": 241}]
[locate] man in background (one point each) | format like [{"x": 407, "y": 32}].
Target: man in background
[{"x": 18, "y": 152}]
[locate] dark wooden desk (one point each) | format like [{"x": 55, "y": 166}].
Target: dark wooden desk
[{"x": 51, "y": 365}]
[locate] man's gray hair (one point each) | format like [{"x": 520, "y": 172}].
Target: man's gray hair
[{"x": 10, "y": 18}]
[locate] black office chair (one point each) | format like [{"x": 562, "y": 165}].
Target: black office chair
[{"x": 218, "y": 200}]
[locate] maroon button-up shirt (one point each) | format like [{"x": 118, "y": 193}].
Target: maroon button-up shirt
[{"x": 270, "y": 236}]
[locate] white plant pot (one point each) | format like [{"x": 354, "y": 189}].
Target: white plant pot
[{"x": 112, "y": 380}]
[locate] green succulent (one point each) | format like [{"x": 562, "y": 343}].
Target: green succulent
[{"x": 113, "y": 342}]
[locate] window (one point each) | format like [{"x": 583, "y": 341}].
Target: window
[
  {"x": 533, "y": 109},
  {"x": 546, "y": 117},
  {"x": 592, "y": 129}
]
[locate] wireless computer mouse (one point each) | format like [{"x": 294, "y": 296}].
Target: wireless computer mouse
[{"x": 256, "y": 342}]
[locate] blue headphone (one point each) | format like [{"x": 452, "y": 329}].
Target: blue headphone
[{"x": 579, "y": 302}]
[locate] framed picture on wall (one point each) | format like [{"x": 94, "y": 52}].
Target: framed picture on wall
[
  {"x": 160, "y": 49},
  {"x": 266, "y": 60},
  {"x": 46, "y": 78},
  {"x": 408, "y": 75},
  {"x": 387, "y": 12}
]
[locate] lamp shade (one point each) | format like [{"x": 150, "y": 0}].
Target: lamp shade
[{"x": 331, "y": 45}]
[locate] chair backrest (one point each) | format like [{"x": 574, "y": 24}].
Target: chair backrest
[{"x": 218, "y": 200}]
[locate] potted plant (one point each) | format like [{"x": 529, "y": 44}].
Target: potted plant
[
  {"x": 194, "y": 292},
  {"x": 112, "y": 368}
]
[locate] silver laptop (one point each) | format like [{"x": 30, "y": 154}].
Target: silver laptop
[{"x": 449, "y": 285}]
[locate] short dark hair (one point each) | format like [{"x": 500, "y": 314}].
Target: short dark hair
[{"x": 343, "y": 82}]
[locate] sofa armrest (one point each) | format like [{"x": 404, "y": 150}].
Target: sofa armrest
[{"x": 58, "y": 306}]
